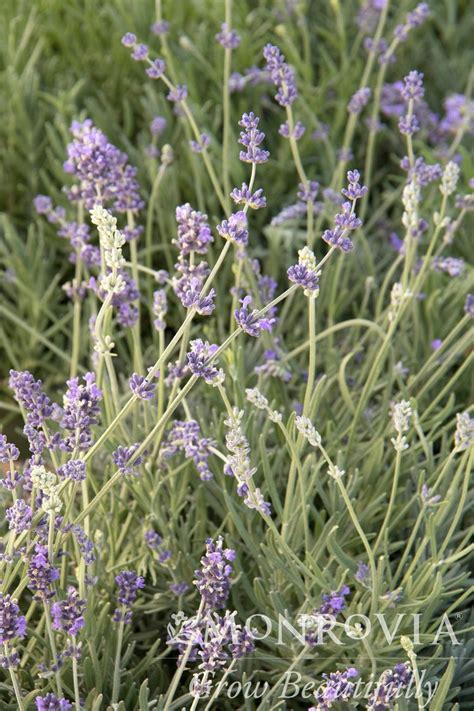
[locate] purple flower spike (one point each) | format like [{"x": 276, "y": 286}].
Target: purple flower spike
[
  {"x": 74, "y": 470},
  {"x": 198, "y": 360},
  {"x": 160, "y": 28},
  {"x": 213, "y": 578},
  {"x": 336, "y": 688},
  {"x": 251, "y": 138},
  {"x": 359, "y": 100},
  {"x": 68, "y": 614},
  {"x": 12, "y": 624},
  {"x": 122, "y": 457},
  {"x": 51, "y": 702},
  {"x": 29, "y": 395},
  {"x": 129, "y": 39},
  {"x": 282, "y": 75},
  {"x": 140, "y": 53},
  {"x": 19, "y": 516},
  {"x": 157, "y": 69},
  {"x": 249, "y": 321},
  {"x": 41, "y": 574},
  {"x": 305, "y": 273},
  {"x": 194, "y": 233},
  {"x": 243, "y": 196},
  {"x": 129, "y": 583},
  {"x": 235, "y": 228},
  {"x": 43, "y": 204},
  {"x": 389, "y": 687},
  {"x": 229, "y": 39},
  {"x": 413, "y": 86},
  {"x": 81, "y": 409},
  {"x": 141, "y": 387}
]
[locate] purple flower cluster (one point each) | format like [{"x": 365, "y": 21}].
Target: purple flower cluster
[
  {"x": 368, "y": 15},
  {"x": 19, "y": 516},
  {"x": 12, "y": 623},
  {"x": 235, "y": 228},
  {"x": 337, "y": 687},
  {"x": 459, "y": 112},
  {"x": 199, "y": 360},
  {"x": 334, "y": 602},
  {"x": 412, "y": 92},
  {"x": 251, "y": 138},
  {"x": 194, "y": 233},
  {"x": 414, "y": 19},
  {"x": 160, "y": 309},
  {"x": 75, "y": 470},
  {"x": 41, "y": 574},
  {"x": 346, "y": 220},
  {"x": 186, "y": 437},
  {"x": 51, "y": 702},
  {"x": 129, "y": 583},
  {"x": 359, "y": 100},
  {"x": 454, "y": 266},
  {"x": 100, "y": 169},
  {"x": 160, "y": 28},
  {"x": 30, "y": 396},
  {"x": 282, "y": 75},
  {"x": 413, "y": 89},
  {"x": 140, "y": 53},
  {"x": 320, "y": 618},
  {"x": 141, "y": 387},
  {"x": 68, "y": 614},
  {"x": 229, "y": 39},
  {"x": 122, "y": 459},
  {"x": 194, "y": 237},
  {"x": 305, "y": 273},
  {"x": 250, "y": 321},
  {"x": 389, "y": 687},
  {"x": 81, "y": 408},
  {"x": 421, "y": 172},
  {"x": 244, "y": 196},
  {"x": 212, "y": 579},
  {"x": 296, "y": 132}
]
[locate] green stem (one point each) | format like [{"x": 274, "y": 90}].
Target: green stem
[
  {"x": 118, "y": 653},
  {"x": 13, "y": 677}
]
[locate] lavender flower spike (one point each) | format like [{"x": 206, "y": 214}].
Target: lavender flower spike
[
  {"x": 282, "y": 75},
  {"x": 141, "y": 387},
  {"x": 305, "y": 273},
  {"x": 235, "y": 228},
  {"x": 249, "y": 321},
  {"x": 359, "y": 100},
  {"x": 213, "y": 578},
  {"x": 51, "y": 702},
  {"x": 251, "y": 138},
  {"x": 198, "y": 360},
  {"x": 129, "y": 583}
]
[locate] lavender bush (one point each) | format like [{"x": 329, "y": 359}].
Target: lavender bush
[{"x": 237, "y": 428}]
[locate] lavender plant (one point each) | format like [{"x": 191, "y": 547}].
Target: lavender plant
[{"x": 240, "y": 476}]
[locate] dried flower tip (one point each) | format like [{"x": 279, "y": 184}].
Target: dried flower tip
[
  {"x": 256, "y": 398},
  {"x": 464, "y": 435},
  {"x": 335, "y": 472},
  {"x": 306, "y": 428},
  {"x": 450, "y": 179}
]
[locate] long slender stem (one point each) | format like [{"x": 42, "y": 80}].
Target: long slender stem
[
  {"x": 118, "y": 654},
  {"x": 13, "y": 677}
]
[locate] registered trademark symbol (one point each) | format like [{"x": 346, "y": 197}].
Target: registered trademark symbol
[{"x": 458, "y": 615}]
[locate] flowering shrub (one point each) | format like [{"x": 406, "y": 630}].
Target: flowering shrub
[{"x": 252, "y": 405}]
